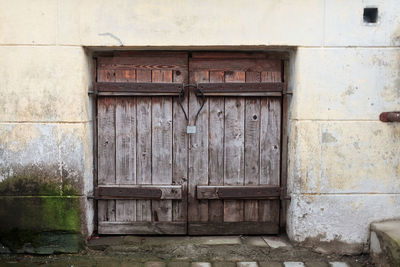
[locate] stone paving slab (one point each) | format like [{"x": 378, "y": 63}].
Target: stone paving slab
[
  {"x": 256, "y": 241},
  {"x": 201, "y": 264},
  {"x": 247, "y": 264},
  {"x": 276, "y": 242},
  {"x": 338, "y": 264},
  {"x": 293, "y": 264},
  {"x": 270, "y": 264},
  {"x": 317, "y": 264},
  {"x": 224, "y": 264},
  {"x": 217, "y": 240}
]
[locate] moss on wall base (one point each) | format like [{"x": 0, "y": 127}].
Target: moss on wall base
[{"x": 40, "y": 224}]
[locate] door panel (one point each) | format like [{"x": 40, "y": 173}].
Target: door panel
[
  {"x": 154, "y": 177},
  {"x": 237, "y": 143},
  {"x": 142, "y": 141}
]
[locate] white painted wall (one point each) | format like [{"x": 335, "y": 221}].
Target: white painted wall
[{"x": 344, "y": 165}]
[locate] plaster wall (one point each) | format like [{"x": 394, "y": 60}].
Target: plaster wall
[{"x": 344, "y": 167}]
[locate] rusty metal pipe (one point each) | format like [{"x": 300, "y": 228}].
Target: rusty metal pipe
[{"x": 393, "y": 116}]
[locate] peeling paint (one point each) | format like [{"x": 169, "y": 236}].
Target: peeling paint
[{"x": 18, "y": 137}]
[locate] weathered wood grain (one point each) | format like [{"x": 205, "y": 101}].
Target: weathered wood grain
[
  {"x": 233, "y": 228},
  {"x": 145, "y": 139},
  {"x": 137, "y": 89},
  {"x": 284, "y": 149},
  {"x": 180, "y": 149},
  {"x": 162, "y": 145},
  {"x": 125, "y": 152},
  {"x": 106, "y": 145},
  {"x": 228, "y": 55},
  {"x": 142, "y": 63},
  {"x": 127, "y": 75},
  {"x": 144, "y": 148},
  {"x": 105, "y": 75},
  {"x": 271, "y": 76},
  {"x": 252, "y": 147},
  {"x": 139, "y": 192},
  {"x": 241, "y": 131},
  {"x": 271, "y": 65},
  {"x": 198, "y": 150},
  {"x": 106, "y": 150},
  {"x": 238, "y": 192},
  {"x": 270, "y": 149},
  {"x": 234, "y": 148},
  {"x": 252, "y": 88},
  {"x": 216, "y": 147},
  {"x": 142, "y": 228},
  {"x": 243, "y": 55}
]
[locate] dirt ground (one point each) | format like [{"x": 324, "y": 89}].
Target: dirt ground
[{"x": 187, "y": 251}]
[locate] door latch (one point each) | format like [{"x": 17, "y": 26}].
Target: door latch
[{"x": 191, "y": 129}]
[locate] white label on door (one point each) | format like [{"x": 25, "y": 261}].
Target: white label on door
[{"x": 191, "y": 129}]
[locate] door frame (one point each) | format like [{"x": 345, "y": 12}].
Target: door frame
[{"x": 284, "y": 56}]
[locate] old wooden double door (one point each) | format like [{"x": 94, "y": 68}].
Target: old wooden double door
[{"x": 153, "y": 177}]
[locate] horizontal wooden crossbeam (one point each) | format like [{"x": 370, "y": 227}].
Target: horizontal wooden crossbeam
[
  {"x": 143, "y": 228},
  {"x": 137, "y": 89},
  {"x": 138, "y": 192},
  {"x": 238, "y": 192},
  {"x": 241, "y": 89},
  {"x": 233, "y": 228}
]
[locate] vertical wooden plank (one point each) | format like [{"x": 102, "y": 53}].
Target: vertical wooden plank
[
  {"x": 216, "y": 148},
  {"x": 125, "y": 124},
  {"x": 198, "y": 150},
  {"x": 125, "y": 163},
  {"x": 128, "y": 75},
  {"x": 270, "y": 143},
  {"x": 105, "y": 75},
  {"x": 234, "y": 147},
  {"x": 143, "y": 76},
  {"x": 95, "y": 141},
  {"x": 252, "y": 147},
  {"x": 106, "y": 150},
  {"x": 106, "y": 146},
  {"x": 271, "y": 76},
  {"x": 143, "y": 161},
  {"x": 285, "y": 107},
  {"x": 179, "y": 146},
  {"x": 162, "y": 145}
]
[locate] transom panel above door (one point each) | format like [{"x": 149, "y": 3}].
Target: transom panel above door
[{"x": 219, "y": 176}]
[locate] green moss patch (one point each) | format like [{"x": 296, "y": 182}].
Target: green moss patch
[
  {"x": 36, "y": 182},
  {"x": 40, "y": 223},
  {"x": 19, "y": 241}
]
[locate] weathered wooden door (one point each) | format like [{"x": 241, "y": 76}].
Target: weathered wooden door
[
  {"x": 234, "y": 158},
  {"x": 157, "y": 177},
  {"x": 142, "y": 144}
]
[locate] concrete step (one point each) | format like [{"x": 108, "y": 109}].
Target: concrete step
[{"x": 385, "y": 243}]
